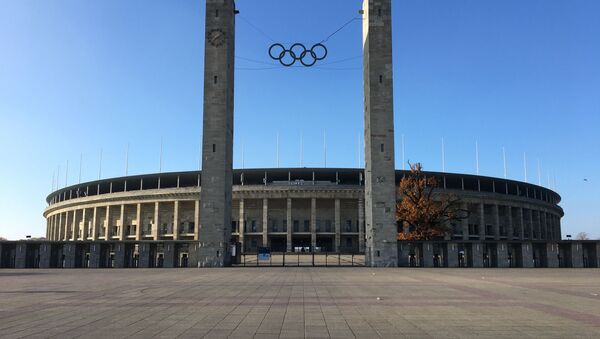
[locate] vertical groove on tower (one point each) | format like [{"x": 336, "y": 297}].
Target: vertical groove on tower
[
  {"x": 217, "y": 143},
  {"x": 380, "y": 190}
]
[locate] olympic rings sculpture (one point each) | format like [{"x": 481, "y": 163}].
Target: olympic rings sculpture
[{"x": 298, "y": 52}]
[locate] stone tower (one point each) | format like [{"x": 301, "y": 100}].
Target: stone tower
[
  {"x": 217, "y": 144},
  {"x": 380, "y": 189}
]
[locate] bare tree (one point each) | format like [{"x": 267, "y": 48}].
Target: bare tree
[
  {"x": 425, "y": 210},
  {"x": 582, "y": 236}
]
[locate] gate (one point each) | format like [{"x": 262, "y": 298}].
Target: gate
[{"x": 301, "y": 259}]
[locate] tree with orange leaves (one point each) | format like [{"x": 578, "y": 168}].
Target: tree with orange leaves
[{"x": 426, "y": 211}]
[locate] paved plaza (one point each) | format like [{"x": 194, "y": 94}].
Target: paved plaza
[{"x": 300, "y": 302}]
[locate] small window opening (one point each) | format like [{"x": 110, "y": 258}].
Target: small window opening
[
  {"x": 381, "y": 79},
  {"x": 381, "y": 147},
  {"x": 379, "y": 12},
  {"x": 216, "y": 78},
  {"x": 214, "y": 148},
  {"x": 217, "y": 13}
]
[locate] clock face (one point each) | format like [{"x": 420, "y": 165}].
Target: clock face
[{"x": 216, "y": 37}]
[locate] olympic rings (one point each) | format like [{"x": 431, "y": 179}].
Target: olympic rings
[{"x": 297, "y": 52}]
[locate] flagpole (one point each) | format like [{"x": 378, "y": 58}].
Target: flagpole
[
  {"x": 477, "y": 157},
  {"x": 80, "y": 161},
  {"x": 504, "y": 161},
  {"x": 67, "y": 173},
  {"x": 127, "y": 160},
  {"x": 403, "y": 162},
  {"x": 525, "y": 164},
  {"x": 161, "y": 156},
  {"x": 100, "y": 165},
  {"x": 443, "y": 156}
]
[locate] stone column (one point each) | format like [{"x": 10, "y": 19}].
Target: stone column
[
  {"x": 477, "y": 255},
  {"x": 107, "y": 224},
  {"x": 337, "y": 217},
  {"x": 509, "y": 227},
  {"x": 576, "y": 254},
  {"x": 361, "y": 225},
  {"x": 527, "y": 255},
  {"x": 531, "y": 224},
  {"x": 242, "y": 223},
  {"x": 265, "y": 222},
  {"x": 155, "y": 221},
  {"x": 217, "y": 143},
  {"x": 66, "y": 227},
  {"x": 121, "y": 234},
  {"x": 502, "y": 255},
  {"x": 21, "y": 255},
  {"x": 540, "y": 232},
  {"x": 552, "y": 255},
  {"x": 313, "y": 223},
  {"x": 427, "y": 254},
  {"x": 380, "y": 188},
  {"x": 452, "y": 254},
  {"x": 289, "y": 224},
  {"x": 197, "y": 219},
  {"x": 176, "y": 220},
  {"x": 74, "y": 226},
  {"x": 521, "y": 224},
  {"x": 482, "y": 225},
  {"x": 544, "y": 225},
  {"x": 139, "y": 223},
  {"x": 496, "y": 212},
  {"x": 95, "y": 225},
  {"x": 465, "y": 222},
  {"x": 86, "y": 225}
]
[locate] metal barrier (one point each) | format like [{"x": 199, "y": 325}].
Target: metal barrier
[{"x": 302, "y": 259}]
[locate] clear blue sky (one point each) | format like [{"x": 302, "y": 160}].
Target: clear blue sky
[{"x": 77, "y": 76}]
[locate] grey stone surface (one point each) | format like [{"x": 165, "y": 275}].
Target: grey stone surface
[
  {"x": 502, "y": 255},
  {"x": 380, "y": 188},
  {"x": 217, "y": 144},
  {"x": 476, "y": 255},
  {"x": 527, "y": 255},
  {"x": 552, "y": 255},
  {"x": 300, "y": 303}
]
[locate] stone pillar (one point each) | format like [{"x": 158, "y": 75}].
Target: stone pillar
[
  {"x": 144, "y": 252},
  {"x": 176, "y": 220},
  {"x": 95, "y": 255},
  {"x": 69, "y": 250},
  {"x": 139, "y": 223},
  {"x": 265, "y": 222},
  {"x": 465, "y": 222},
  {"x": 361, "y": 225},
  {"x": 60, "y": 230},
  {"x": 509, "y": 227},
  {"x": 155, "y": 221},
  {"x": 121, "y": 234},
  {"x": 120, "y": 254},
  {"x": 95, "y": 225},
  {"x": 496, "y": 212},
  {"x": 217, "y": 143},
  {"x": 197, "y": 220},
  {"x": 527, "y": 255},
  {"x": 242, "y": 223},
  {"x": 86, "y": 225},
  {"x": 427, "y": 254},
  {"x": 543, "y": 228},
  {"x": 521, "y": 224},
  {"x": 169, "y": 252},
  {"x": 552, "y": 255},
  {"x": 380, "y": 188},
  {"x": 576, "y": 254},
  {"x": 21, "y": 255},
  {"x": 66, "y": 227},
  {"x": 531, "y": 224},
  {"x": 107, "y": 224},
  {"x": 482, "y": 225},
  {"x": 452, "y": 254},
  {"x": 337, "y": 216},
  {"x": 45, "y": 254},
  {"x": 313, "y": 223},
  {"x": 74, "y": 226},
  {"x": 502, "y": 255},
  {"x": 289, "y": 224},
  {"x": 477, "y": 254}
]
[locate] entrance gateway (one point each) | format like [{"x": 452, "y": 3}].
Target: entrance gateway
[{"x": 217, "y": 142}]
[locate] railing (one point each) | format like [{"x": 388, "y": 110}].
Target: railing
[{"x": 300, "y": 259}]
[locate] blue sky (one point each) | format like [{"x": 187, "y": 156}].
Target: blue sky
[{"x": 80, "y": 76}]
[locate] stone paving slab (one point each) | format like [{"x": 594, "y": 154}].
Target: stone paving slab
[{"x": 300, "y": 303}]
